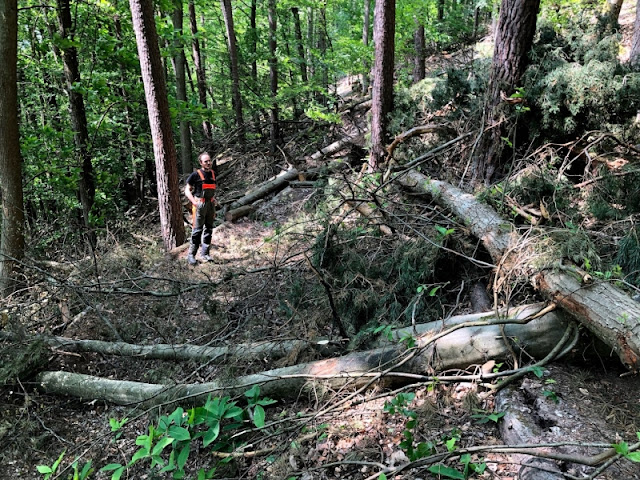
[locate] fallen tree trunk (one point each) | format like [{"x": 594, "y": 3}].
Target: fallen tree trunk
[
  {"x": 473, "y": 344},
  {"x": 274, "y": 185},
  {"x": 178, "y": 352},
  {"x": 335, "y": 147},
  {"x": 606, "y": 311},
  {"x": 240, "y": 212}
]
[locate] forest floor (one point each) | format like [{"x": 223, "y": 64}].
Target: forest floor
[{"x": 259, "y": 288}]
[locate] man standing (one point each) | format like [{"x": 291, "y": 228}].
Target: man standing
[{"x": 200, "y": 190}]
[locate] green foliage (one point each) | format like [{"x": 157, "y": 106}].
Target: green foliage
[
  {"x": 168, "y": 444},
  {"x": 622, "y": 448},
  {"x": 615, "y": 197},
  {"x": 48, "y": 472},
  {"x": 485, "y": 417},
  {"x": 576, "y": 82},
  {"x": 373, "y": 278},
  {"x": 628, "y": 256}
]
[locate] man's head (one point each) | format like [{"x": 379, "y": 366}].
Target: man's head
[{"x": 205, "y": 160}]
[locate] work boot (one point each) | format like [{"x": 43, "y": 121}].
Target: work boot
[
  {"x": 191, "y": 258},
  {"x": 204, "y": 253}
]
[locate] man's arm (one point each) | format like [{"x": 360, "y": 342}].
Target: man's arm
[{"x": 190, "y": 196}]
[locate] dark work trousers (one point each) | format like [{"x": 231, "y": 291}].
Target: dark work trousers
[{"x": 203, "y": 216}]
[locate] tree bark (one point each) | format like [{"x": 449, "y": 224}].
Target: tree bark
[
  {"x": 634, "y": 56},
  {"x": 11, "y": 196},
  {"x": 610, "y": 314},
  {"x": 382, "y": 95},
  {"x": 366, "y": 20},
  {"x": 299, "y": 44},
  {"x": 164, "y": 149},
  {"x": 179, "y": 63},
  {"x": 459, "y": 349},
  {"x": 236, "y": 99},
  {"x": 198, "y": 62},
  {"x": 514, "y": 37},
  {"x": 419, "y": 59},
  {"x": 273, "y": 76},
  {"x": 86, "y": 185}
]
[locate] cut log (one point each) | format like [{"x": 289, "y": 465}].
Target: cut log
[
  {"x": 605, "y": 310},
  {"x": 274, "y": 185},
  {"x": 465, "y": 346},
  {"x": 240, "y": 212},
  {"x": 335, "y": 147}
]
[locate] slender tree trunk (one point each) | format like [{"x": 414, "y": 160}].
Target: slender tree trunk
[
  {"x": 513, "y": 40},
  {"x": 254, "y": 42},
  {"x": 365, "y": 41},
  {"x": 440, "y": 10},
  {"x": 273, "y": 76},
  {"x": 86, "y": 187},
  {"x": 164, "y": 149},
  {"x": 292, "y": 75},
  {"x": 419, "y": 59},
  {"x": 179, "y": 61},
  {"x": 311, "y": 65},
  {"x": 322, "y": 49},
  {"x": 634, "y": 57},
  {"x": 299, "y": 44},
  {"x": 134, "y": 183},
  {"x": 11, "y": 200},
  {"x": 198, "y": 63},
  {"x": 609, "y": 20},
  {"x": 382, "y": 96},
  {"x": 227, "y": 13}
]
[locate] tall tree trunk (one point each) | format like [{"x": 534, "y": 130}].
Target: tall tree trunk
[
  {"x": 322, "y": 48},
  {"x": 254, "y": 42},
  {"x": 513, "y": 40},
  {"x": 164, "y": 149},
  {"x": 440, "y": 10},
  {"x": 86, "y": 186},
  {"x": 419, "y": 59},
  {"x": 11, "y": 200},
  {"x": 179, "y": 61},
  {"x": 273, "y": 76},
  {"x": 366, "y": 20},
  {"x": 134, "y": 189},
  {"x": 382, "y": 96},
  {"x": 236, "y": 99},
  {"x": 634, "y": 56},
  {"x": 310, "y": 35},
  {"x": 292, "y": 75},
  {"x": 198, "y": 62},
  {"x": 300, "y": 45},
  {"x": 609, "y": 20}
]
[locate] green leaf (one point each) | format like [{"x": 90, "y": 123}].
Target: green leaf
[
  {"x": 111, "y": 466},
  {"x": 382, "y": 477},
  {"x": 161, "y": 445},
  {"x": 445, "y": 471},
  {"x": 622, "y": 448},
  {"x": 258, "y": 416},
  {"x": 253, "y": 392},
  {"x": 211, "y": 434},
  {"x": 451, "y": 444},
  {"x": 44, "y": 469},
  {"x": 183, "y": 456},
  {"x": 634, "y": 456},
  {"x": 179, "y": 433},
  {"x": 538, "y": 371}
]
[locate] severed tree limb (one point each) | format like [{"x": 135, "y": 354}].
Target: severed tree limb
[
  {"x": 412, "y": 132},
  {"x": 463, "y": 346},
  {"x": 609, "y": 313},
  {"x": 178, "y": 352}
]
